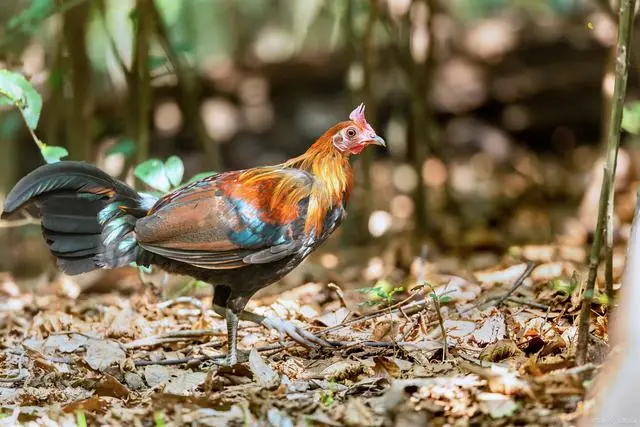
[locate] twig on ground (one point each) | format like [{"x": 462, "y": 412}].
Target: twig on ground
[
  {"x": 169, "y": 337},
  {"x": 182, "y": 300},
  {"x": 527, "y": 271},
  {"x": 443, "y": 331},
  {"x": 181, "y": 361},
  {"x": 340, "y": 294},
  {"x": 501, "y": 298},
  {"x": 411, "y": 328},
  {"x": 533, "y": 304}
]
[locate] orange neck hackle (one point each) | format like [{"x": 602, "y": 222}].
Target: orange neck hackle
[{"x": 333, "y": 175}]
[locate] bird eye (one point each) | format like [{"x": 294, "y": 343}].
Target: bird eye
[{"x": 351, "y": 132}]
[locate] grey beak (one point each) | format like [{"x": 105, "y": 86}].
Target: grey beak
[{"x": 379, "y": 141}]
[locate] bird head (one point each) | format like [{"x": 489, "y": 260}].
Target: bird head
[{"x": 354, "y": 135}]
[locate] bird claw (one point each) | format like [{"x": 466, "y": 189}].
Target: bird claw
[{"x": 297, "y": 334}]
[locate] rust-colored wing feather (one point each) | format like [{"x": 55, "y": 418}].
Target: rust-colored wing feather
[{"x": 230, "y": 220}]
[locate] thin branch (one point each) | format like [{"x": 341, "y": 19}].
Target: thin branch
[
  {"x": 170, "y": 337},
  {"x": 443, "y": 330},
  {"x": 142, "y": 78},
  {"x": 625, "y": 30},
  {"x": 533, "y": 304},
  {"x": 181, "y": 300},
  {"x": 500, "y": 299},
  {"x": 517, "y": 284}
]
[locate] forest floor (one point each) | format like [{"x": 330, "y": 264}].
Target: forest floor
[
  {"x": 437, "y": 344},
  {"x": 114, "y": 359}
]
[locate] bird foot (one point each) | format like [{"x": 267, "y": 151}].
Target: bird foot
[{"x": 297, "y": 334}]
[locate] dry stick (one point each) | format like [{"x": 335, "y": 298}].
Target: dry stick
[
  {"x": 519, "y": 281},
  {"x": 422, "y": 279},
  {"x": 340, "y": 294},
  {"x": 532, "y": 304},
  {"x": 517, "y": 284},
  {"x": 625, "y": 29},
  {"x": 169, "y": 337},
  {"x": 182, "y": 300}
]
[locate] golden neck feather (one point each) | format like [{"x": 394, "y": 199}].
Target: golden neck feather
[{"x": 333, "y": 175}]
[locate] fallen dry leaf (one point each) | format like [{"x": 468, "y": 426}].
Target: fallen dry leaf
[
  {"x": 101, "y": 354},
  {"x": 507, "y": 275},
  {"x": 385, "y": 330},
  {"x": 500, "y": 350},
  {"x": 493, "y": 329},
  {"x": 333, "y": 318},
  {"x": 262, "y": 373},
  {"x": 185, "y": 383},
  {"x": 156, "y": 374},
  {"x": 92, "y": 404}
]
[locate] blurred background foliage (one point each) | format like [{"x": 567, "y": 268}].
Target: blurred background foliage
[{"x": 493, "y": 110}]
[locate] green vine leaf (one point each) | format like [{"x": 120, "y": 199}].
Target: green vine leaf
[
  {"x": 174, "y": 169},
  {"x": 29, "y": 19},
  {"x": 17, "y": 91},
  {"x": 152, "y": 173},
  {"x": 52, "y": 154}
]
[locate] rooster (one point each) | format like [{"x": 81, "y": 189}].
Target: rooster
[{"x": 239, "y": 231}]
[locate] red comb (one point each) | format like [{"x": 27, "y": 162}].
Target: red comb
[{"x": 357, "y": 115}]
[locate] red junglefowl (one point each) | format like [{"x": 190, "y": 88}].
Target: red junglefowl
[{"x": 240, "y": 231}]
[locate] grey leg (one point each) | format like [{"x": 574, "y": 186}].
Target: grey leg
[
  {"x": 283, "y": 326},
  {"x": 232, "y": 337}
]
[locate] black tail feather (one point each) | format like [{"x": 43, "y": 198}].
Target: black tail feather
[{"x": 88, "y": 217}]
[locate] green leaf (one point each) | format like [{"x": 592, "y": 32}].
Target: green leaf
[
  {"x": 30, "y": 18},
  {"x": 81, "y": 420},
  {"x": 52, "y": 154},
  {"x": 199, "y": 176},
  {"x": 158, "y": 418},
  {"x": 174, "y": 169},
  {"x": 125, "y": 146},
  {"x": 18, "y": 91},
  {"x": 631, "y": 118},
  {"x": 152, "y": 173}
]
